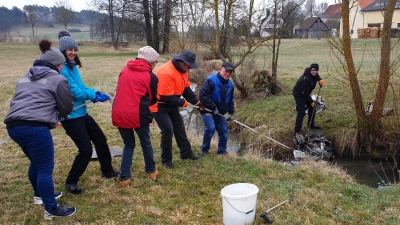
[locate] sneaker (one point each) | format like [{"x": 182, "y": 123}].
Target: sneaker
[
  {"x": 38, "y": 200},
  {"x": 153, "y": 175},
  {"x": 73, "y": 188},
  {"x": 315, "y": 126},
  {"x": 59, "y": 211},
  {"x": 124, "y": 181},
  {"x": 114, "y": 174}
]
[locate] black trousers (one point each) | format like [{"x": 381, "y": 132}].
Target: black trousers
[
  {"x": 83, "y": 131},
  {"x": 171, "y": 124},
  {"x": 301, "y": 103}
]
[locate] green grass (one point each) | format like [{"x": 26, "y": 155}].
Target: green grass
[{"x": 190, "y": 193}]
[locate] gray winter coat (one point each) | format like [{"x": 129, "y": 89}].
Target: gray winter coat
[{"x": 42, "y": 96}]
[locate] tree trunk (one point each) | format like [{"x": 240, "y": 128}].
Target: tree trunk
[
  {"x": 385, "y": 73},
  {"x": 146, "y": 13},
  {"x": 167, "y": 26},
  {"x": 156, "y": 31}
]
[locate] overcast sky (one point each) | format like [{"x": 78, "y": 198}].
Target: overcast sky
[{"x": 77, "y": 5}]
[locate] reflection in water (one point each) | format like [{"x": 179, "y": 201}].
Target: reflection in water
[{"x": 371, "y": 173}]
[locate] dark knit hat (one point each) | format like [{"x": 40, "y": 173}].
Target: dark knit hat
[
  {"x": 51, "y": 55},
  {"x": 149, "y": 54},
  {"x": 314, "y": 66},
  {"x": 66, "y": 41},
  {"x": 228, "y": 66},
  {"x": 187, "y": 57}
]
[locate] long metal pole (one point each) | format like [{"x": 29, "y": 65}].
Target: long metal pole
[{"x": 249, "y": 128}]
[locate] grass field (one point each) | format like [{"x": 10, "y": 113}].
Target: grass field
[{"x": 190, "y": 193}]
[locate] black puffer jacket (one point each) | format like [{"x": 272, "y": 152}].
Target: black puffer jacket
[{"x": 306, "y": 83}]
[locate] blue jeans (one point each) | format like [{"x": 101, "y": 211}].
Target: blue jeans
[
  {"x": 214, "y": 123},
  {"x": 128, "y": 138},
  {"x": 37, "y": 144}
]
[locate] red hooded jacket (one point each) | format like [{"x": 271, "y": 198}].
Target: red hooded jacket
[{"x": 136, "y": 91}]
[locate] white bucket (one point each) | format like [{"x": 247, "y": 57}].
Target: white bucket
[{"x": 239, "y": 203}]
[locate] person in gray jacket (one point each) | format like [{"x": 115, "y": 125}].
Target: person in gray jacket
[{"x": 42, "y": 96}]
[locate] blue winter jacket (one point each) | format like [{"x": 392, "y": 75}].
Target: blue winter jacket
[
  {"x": 216, "y": 92},
  {"x": 79, "y": 91}
]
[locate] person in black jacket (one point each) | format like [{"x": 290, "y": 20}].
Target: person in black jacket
[{"x": 301, "y": 92}]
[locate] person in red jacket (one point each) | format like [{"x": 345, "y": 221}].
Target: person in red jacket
[
  {"x": 173, "y": 83},
  {"x": 136, "y": 91}
]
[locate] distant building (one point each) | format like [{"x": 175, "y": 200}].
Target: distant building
[
  {"x": 313, "y": 27},
  {"x": 332, "y": 18},
  {"x": 267, "y": 25}
]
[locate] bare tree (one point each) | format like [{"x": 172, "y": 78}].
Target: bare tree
[
  {"x": 368, "y": 127},
  {"x": 167, "y": 25},
  {"x": 222, "y": 33},
  {"x": 64, "y": 12},
  {"x": 282, "y": 18},
  {"x": 310, "y": 8},
  {"x": 30, "y": 16}
]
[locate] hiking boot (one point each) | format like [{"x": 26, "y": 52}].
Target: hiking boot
[
  {"x": 124, "y": 181},
  {"x": 315, "y": 126},
  {"x": 73, "y": 188},
  {"x": 114, "y": 174},
  {"x": 153, "y": 175},
  {"x": 59, "y": 211},
  {"x": 168, "y": 165},
  {"x": 222, "y": 153},
  {"x": 192, "y": 157},
  {"x": 38, "y": 200},
  {"x": 300, "y": 132}
]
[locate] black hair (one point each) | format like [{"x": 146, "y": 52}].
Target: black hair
[{"x": 69, "y": 64}]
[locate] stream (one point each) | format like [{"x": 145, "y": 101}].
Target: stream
[{"x": 371, "y": 173}]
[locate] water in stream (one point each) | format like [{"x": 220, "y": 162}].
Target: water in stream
[{"x": 372, "y": 173}]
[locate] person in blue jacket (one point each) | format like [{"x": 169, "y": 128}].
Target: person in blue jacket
[
  {"x": 80, "y": 126},
  {"x": 216, "y": 94}
]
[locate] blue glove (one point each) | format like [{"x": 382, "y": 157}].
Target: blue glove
[
  {"x": 230, "y": 118},
  {"x": 103, "y": 97},
  {"x": 97, "y": 98}
]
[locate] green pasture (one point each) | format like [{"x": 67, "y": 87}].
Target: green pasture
[{"x": 190, "y": 193}]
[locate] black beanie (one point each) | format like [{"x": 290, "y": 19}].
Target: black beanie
[{"x": 314, "y": 66}]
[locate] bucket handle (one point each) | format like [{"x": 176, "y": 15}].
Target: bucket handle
[{"x": 239, "y": 210}]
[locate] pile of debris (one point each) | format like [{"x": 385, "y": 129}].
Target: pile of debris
[{"x": 315, "y": 145}]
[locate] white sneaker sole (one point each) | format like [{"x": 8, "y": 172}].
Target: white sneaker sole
[
  {"x": 39, "y": 201},
  {"x": 48, "y": 216}
]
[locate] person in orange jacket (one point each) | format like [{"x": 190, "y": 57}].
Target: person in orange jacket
[{"x": 173, "y": 84}]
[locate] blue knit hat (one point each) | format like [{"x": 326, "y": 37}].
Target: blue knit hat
[{"x": 66, "y": 41}]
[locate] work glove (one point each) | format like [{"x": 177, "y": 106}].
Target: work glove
[
  {"x": 185, "y": 104},
  {"x": 230, "y": 118},
  {"x": 103, "y": 97},
  {"x": 97, "y": 98},
  {"x": 321, "y": 83},
  {"x": 215, "y": 112},
  {"x": 312, "y": 104},
  {"x": 200, "y": 106}
]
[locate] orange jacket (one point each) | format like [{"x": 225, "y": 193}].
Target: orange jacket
[{"x": 172, "y": 84}]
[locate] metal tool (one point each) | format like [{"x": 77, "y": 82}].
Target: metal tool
[
  {"x": 244, "y": 125},
  {"x": 264, "y": 214},
  {"x": 314, "y": 110}
]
